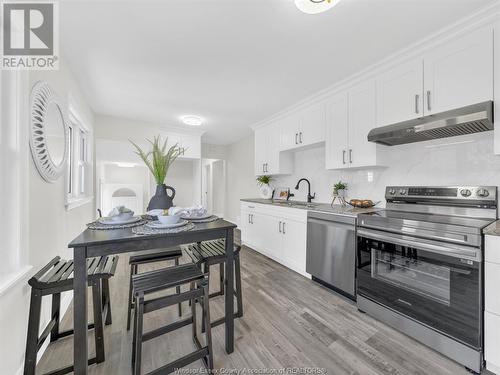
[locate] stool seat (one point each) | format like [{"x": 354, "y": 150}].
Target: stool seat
[
  {"x": 154, "y": 281},
  {"x": 155, "y": 255},
  {"x": 213, "y": 252},
  {"x": 58, "y": 274}
]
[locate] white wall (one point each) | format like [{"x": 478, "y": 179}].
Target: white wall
[
  {"x": 51, "y": 227},
  {"x": 240, "y": 176},
  {"x": 466, "y": 160}
]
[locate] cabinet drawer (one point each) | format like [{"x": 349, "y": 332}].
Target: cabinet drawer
[
  {"x": 492, "y": 249},
  {"x": 491, "y": 282},
  {"x": 491, "y": 342},
  {"x": 248, "y": 206}
]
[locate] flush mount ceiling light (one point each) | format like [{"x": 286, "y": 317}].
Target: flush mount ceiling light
[
  {"x": 192, "y": 120},
  {"x": 315, "y": 6}
]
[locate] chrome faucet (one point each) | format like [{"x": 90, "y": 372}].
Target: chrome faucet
[{"x": 309, "y": 196}]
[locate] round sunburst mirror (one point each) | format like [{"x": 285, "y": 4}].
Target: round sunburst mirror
[{"x": 48, "y": 132}]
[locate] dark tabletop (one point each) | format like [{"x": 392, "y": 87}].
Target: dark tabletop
[{"x": 98, "y": 237}]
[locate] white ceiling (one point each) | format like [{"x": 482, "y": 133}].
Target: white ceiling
[{"x": 234, "y": 62}]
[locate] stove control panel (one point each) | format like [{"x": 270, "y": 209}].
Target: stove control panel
[{"x": 442, "y": 193}]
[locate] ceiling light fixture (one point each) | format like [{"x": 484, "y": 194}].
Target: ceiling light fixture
[
  {"x": 315, "y": 6},
  {"x": 192, "y": 120}
]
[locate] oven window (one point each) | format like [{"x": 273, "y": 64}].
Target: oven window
[{"x": 405, "y": 269}]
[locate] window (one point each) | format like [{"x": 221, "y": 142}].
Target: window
[{"x": 80, "y": 165}]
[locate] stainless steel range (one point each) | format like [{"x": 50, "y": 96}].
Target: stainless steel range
[{"x": 420, "y": 266}]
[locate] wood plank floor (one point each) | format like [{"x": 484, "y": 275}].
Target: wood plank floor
[{"x": 289, "y": 321}]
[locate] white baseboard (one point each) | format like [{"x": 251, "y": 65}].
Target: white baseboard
[{"x": 65, "y": 302}]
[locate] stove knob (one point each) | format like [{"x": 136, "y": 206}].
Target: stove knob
[
  {"x": 392, "y": 191},
  {"x": 402, "y": 192},
  {"x": 483, "y": 193},
  {"x": 465, "y": 193}
]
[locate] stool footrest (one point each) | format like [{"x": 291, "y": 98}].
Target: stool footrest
[
  {"x": 68, "y": 369},
  {"x": 181, "y": 362},
  {"x": 166, "y": 329},
  {"x": 161, "y": 302}
]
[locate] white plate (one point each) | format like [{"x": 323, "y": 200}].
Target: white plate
[
  {"x": 158, "y": 225},
  {"x": 206, "y": 216},
  {"x": 110, "y": 221}
]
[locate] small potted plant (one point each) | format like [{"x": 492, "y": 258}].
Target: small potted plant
[
  {"x": 266, "y": 192},
  {"x": 339, "y": 191}
]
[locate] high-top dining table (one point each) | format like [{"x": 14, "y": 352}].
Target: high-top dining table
[{"x": 93, "y": 243}]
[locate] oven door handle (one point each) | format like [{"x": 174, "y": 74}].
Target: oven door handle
[{"x": 455, "y": 251}]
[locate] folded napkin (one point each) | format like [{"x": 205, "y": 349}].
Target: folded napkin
[
  {"x": 118, "y": 210},
  {"x": 196, "y": 211}
]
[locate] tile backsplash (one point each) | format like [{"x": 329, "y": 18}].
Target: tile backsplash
[{"x": 465, "y": 160}]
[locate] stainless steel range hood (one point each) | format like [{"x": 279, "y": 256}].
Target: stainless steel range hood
[{"x": 466, "y": 120}]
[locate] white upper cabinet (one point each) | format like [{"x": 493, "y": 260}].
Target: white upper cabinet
[
  {"x": 459, "y": 72},
  {"x": 362, "y": 119},
  {"x": 400, "y": 94},
  {"x": 304, "y": 128},
  {"x": 351, "y": 115},
  {"x": 337, "y": 132},
  {"x": 289, "y": 132},
  {"x": 268, "y": 158},
  {"x": 260, "y": 151},
  {"x": 312, "y": 125}
]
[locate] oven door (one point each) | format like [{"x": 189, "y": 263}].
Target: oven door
[{"x": 434, "y": 283}]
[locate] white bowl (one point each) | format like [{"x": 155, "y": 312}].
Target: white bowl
[
  {"x": 123, "y": 216},
  {"x": 170, "y": 219}
]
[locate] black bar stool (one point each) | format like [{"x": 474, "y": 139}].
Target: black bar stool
[
  {"x": 150, "y": 256},
  {"x": 55, "y": 278},
  {"x": 160, "y": 280},
  {"x": 209, "y": 253}
]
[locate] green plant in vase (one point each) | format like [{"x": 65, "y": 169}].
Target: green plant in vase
[
  {"x": 159, "y": 160},
  {"x": 266, "y": 192},
  {"x": 339, "y": 191}
]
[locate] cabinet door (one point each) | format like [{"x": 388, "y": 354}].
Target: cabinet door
[
  {"x": 260, "y": 150},
  {"x": 294, "y": 244},
  {"x": 361, "y": 153},
  {"x": 460, "y": 72},
  {"x": 269, "y": 237},
  {"x": 337, "y": 132},
  {"x": 246, "y": 229},
  {"x": 400, "y": 93},
  {"x": 273, "y": 150},
  {"x": 289, "y": 132},
  {"x": 312, "y": 126}
]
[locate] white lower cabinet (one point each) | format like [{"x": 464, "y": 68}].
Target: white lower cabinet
[
  {"x": 277, "y": 232},
  {"x": 492, "y": 303}
]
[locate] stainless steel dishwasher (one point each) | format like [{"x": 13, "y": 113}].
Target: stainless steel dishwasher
[{"x": 331, "y": 251}]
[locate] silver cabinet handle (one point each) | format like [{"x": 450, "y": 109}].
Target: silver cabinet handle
[
  {"x": 296, "y": 141},
  {"x": 350, "y": 156},
  {"x": 251, "y": 216},
  {"x": 343, "y": 156},
  {"x": 283, "y": 228},
  {"x": 279, "y": 226},
  {"x": 266, "y": 169},
  {"x": 429, "y": 100},
  {"x": 300, "y": 137},
  {"x": 249, "y": 219},
  {"x": 417, "y": 97}
]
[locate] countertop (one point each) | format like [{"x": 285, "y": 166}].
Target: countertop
[
  {"x": 493, "y": 229},
  {"x": 337, "y": 209}
]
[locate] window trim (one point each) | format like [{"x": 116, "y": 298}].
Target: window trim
[{"x": 74, "y": 197}]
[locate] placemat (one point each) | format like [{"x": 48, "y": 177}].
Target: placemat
[
  {"x": 96, "y": 225},
  {"x": 144, "y": 229},
  {"x": 207, "y": 220}
]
